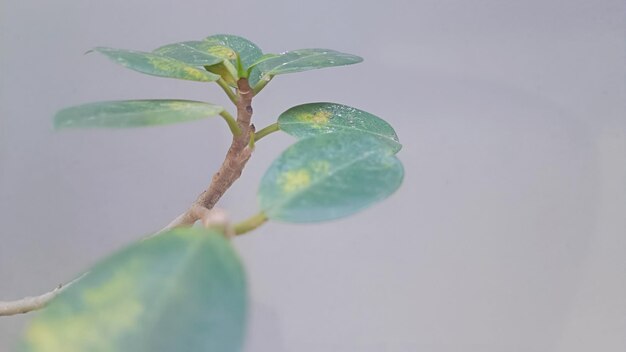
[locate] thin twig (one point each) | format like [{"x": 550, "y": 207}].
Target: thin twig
[
  {"x": 29, "y": 304},
  {"x": 266, "y": 130},
  {"x": 250, "y": 223}
]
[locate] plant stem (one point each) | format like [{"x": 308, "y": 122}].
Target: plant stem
[
  {"x": 251, "y": 143},
  {"x": 266, "y": 130},
  {"x": 231, "y": 95},
  {"x": 240, "y": 71},
  {"x": 232, "y": 123},
  {"x": 29, "y": 304},
  {"x": 250, "y": 223},
  {"x": 262, "y": 83},
  {"x": 238, "y": 155},
  {"x": 232, "y": 167}
]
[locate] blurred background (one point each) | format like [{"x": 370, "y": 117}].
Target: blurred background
[{"x": 508, "y": 234}]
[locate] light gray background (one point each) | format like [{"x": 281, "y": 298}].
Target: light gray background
[{"x": 509, "y": 233}]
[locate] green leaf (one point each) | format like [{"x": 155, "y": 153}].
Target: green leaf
[
  {"x": 216, "y": 58},
  {"x": 197, "y": 53},
  {"x": 264, "y": 58},
  {"x": 329, "y": 176},
  {"x": 254, "y": 73},
  {"x": 313, "y": 119},
  {"x": 134, "y": 113},
  {"x": 255, "y": 76},
  {"x": 183, "y": 290},
  {"x": 304, "y": 60},
  {"x": 226, "y": 70},
  {"x": 157, "y": 65},
  {"x": 247, "y": 50}
]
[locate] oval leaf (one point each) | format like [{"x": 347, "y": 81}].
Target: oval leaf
[
  {"x": 255, "y": 76},
  {"x": 265, "y": 57},
  {"x": 313, "y": 119},
  {"x": 227, "y": 71},
  {"x": 197, "y": 53},
  {"x": 134, "y": 113},
  {"x": 157, "y": 65},
  {"x": 216, "y": 58},
  {"x": 254, "y": 73},
  {"x": 328, "y": 177},
  {"x": 304, "y": 60},
  {"x": 247, "y": 50},
  {"x": 183, "y": 290}
]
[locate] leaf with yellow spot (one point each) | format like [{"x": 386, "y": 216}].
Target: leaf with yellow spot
[
  {"x": 134, "y": 113},
  {"x": 226, "y": 70},
  {"x": 291, "y": 181},
  {"x": 157, "y": 65},
  {"x": 216, "y": 58},
  {"x": 329, "y": 176},
  {"x": 183, "y": 290},
  {"x": 248, "y": 51},
  {"x": 197, "y": 53},
  {"x": 309, "y": 120}
]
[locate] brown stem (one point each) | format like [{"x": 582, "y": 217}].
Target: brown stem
[
  {"x": 236, "y": 159},
  {"x": 232, "y": 167}
]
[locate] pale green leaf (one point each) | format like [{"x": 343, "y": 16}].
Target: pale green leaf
[
  {"x": 304, "y": 60},
  {"x": 254, "y": 73},
  {"x": 329, "y": 176},
  {"x": 264, "y": 58},
  {"x": 157, "y": 65},
  {"x": 247, "y": 50},
  {"x": 216, "y": 58},
  {"x": 313, "y": 119},
  {"x": 183, "y": 290},
  {"x": 134, "y": 113},
  {"x": 248, "y": 53},
  {"x": 226, "y": 70},
  {"x": 255, "y": 76},
  {"x": 197, "y": 53}
]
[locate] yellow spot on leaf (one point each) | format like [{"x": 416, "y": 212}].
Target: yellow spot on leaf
[
  {"x": 171, "y": 66},
  {"x": 195, "y": 73},
  {"x": 292, "y": 181},
  {"x": 177, "y": 105},
  {"x": 223, "y": 70},
  {"x": 317, "y": 119},
  {"x": 320, "y": 167},
  {"x": 107, "y": 310},
  {"x": 222, "y": 52},
  {"x": 162, "y": 64}
]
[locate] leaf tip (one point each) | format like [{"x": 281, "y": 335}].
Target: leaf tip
[{"x": 60, "y": 121}]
